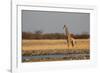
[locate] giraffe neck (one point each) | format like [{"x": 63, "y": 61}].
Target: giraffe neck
[{"x": 66, "y": 31}]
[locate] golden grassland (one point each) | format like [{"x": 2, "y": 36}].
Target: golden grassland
[{"x": 53, "y": 44}]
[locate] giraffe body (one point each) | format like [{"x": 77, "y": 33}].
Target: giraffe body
[{"x": 70, "y": 40}]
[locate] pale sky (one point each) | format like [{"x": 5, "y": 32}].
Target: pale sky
[{"x": 53, "y": 22}]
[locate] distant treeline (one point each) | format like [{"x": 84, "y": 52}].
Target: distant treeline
[{"x": 39, "y": 35}]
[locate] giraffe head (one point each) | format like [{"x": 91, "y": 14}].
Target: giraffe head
[{"x": 64, "y": 26}]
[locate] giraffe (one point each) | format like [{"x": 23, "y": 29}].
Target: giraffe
[{"x": 70, "y": 40}]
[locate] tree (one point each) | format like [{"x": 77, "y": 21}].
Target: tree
[{"x": 38, "y": 32}]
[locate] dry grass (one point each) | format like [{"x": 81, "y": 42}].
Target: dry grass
[{"x": 53, "y": 44}]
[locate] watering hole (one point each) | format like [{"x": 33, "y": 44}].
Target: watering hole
[{"x": 56, "y": 56}]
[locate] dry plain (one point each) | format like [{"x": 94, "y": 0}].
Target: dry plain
[{"x": 53, "y": 44}]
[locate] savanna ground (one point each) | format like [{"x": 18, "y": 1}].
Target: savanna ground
[{"x": 45, "y": 48}]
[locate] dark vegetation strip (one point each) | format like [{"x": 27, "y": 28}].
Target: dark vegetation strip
[
  {"x": 54, "y": 51},
  {"x": 40, "y": 35}
]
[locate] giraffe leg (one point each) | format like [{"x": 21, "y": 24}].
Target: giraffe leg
[
  {"x": 67, "y": 43},
  {"x": 72, "y": 43}
]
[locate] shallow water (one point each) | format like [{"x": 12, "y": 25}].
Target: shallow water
[{"x": 53, "y": 56}]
